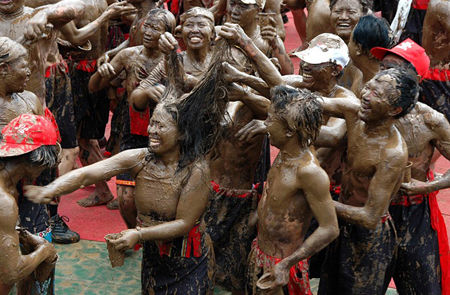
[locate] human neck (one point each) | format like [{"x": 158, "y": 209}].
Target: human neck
[
  {"x": 144, "y": 7},
  {"x": 380, "y": 126},
  {"x": 329, "y": 90},
  {"x": 9, "y": 176},
  {"x": 152, "y": 53},
  {"x": 251, "y": 29},
  {"x": 170, "y": 158},
  {"x": 199, "y": 55},
  {"x": 12, "y": 15},
  {"x": 369, "y": 70},
  {"x": 4, "y": 94},
  {"x": 292, "y": 149}
]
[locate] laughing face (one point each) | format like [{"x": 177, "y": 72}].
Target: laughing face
[
  {"x": 316, "y": 77},
  {"x": 10, "y": 6},
  {"x": 345, "y": 14},
  {"x": 163, "y": 132},
  {"x": 197, "y": 32},
  {"x": 242, "y": 13}
]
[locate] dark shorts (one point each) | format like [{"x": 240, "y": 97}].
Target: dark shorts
[
  {"x": 227, "y": 219},
  {"x": 163, "y": 274},
  {"x": 357, "y": 261},
  {"x": 129, "y": 141},
  {"x": 414, "y": 25},
  {"x": 91, "y": 109},
  {"x": 436, "y": 94},
  {"x": 59, "y": 100},
  {"x": 415, "y": 268}
]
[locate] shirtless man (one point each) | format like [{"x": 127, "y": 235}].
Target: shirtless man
[
  {"x": 436, "y": 41},
  {"x": 418, "y": 220},
  {"x": 20, "y": 160},
  {"x": 297, "y": 188},
  {"x": 137, "y": 62},
  {"x": 172, "y": 187}
]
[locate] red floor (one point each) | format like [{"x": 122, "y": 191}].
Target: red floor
[{"x": 94, "y": 223}]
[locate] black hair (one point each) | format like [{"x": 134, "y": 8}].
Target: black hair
[
  {"x": 166, "y": 16},
  {"x": 406, "y": 64},
  {"x": 300, "y": 109},
  {"x": 366, "y": 5},
  {"x": 371, "y": 31},
  {"x": 408, "y": 87},
  {"x": 45, "y": 156},
  {"x": 199, "y": 114}
]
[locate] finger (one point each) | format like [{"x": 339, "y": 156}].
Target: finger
[{"x": 111, "y": 69}]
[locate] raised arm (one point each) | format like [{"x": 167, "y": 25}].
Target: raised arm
[
  {"x": 316, "y": 188},
  {"x": 235, "y": 35},
  {"x": 125, "y": 161},
  {"x": 340, "y": 107},
  {"x": 191, "y": 206},
  {"x": 234, "y": 75},
  {"x": 108, "y": 71},
  {"x": 382, "y": 186},
  {"x": 258, "y": 104},
  {"x": 14, "y": 266}
]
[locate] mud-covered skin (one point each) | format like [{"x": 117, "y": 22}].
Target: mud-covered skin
[
  {"x": 318, "y": 20},
  {"x": 417, "y": 251},
  {"x": 17, "y": 104},
  {"x": 177, "y": 274},
  {"x": 356, "y": 262},
  {"x": 59, "y": 100},
  {"x": 227, "y": 219},
  {"x": 436, "y": 32}
]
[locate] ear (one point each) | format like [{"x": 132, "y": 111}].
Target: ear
[
  {"x": 359, "y": 51},
  {"x": 337, "y": 70},
  {"x": 289, "y": 134},
  {"x": 395, "y": 111},
  {"x": 177, "y": 32}
]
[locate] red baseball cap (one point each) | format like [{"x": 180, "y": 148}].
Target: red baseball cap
[
  {"x": 409, "y": 50},
  {"x": 25, "y": 134}
]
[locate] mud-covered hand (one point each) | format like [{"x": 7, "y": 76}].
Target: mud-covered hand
[
  {"x": 416, "y": 187},
  {"x": 167, "y": 43},
  {"x": 277, "y": 278},
  {"x": 38, "y": 194},
  {"x": 38, "y": 26},
  {"x": 155, "y": 92},
  {"x": 119, "y": 9},
  {"x": 106, "y": 70},
  {"x": 44, "y": 270},
  {"x": 234, "y": 34},
  {"x": 252, "y": 129},
  {"x": 231, "y": 74},
  {"x": 129, "y": 238},
  {"x": 269, "y": 33}
]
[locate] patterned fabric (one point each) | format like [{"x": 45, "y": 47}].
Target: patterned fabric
[
  {"x": 435, "y": 91},
  {"x": 59, "y": 100},
  {"x": 357, "y": 261},
  {"x": 227, "y": 217},
  {"x": 163, "y": 274},
  {"x": 25, "y": 134},
  {"x": 260, "y": 263},
  {"x": 414, "y": 25}
]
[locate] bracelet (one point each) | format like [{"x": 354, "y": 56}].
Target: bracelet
[{"x": 138, "y": 229}]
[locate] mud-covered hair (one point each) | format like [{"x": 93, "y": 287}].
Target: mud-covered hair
[
  {"x": 408, "y": 87},
  {"x": 10, "y": 50},
  {"x": 300, "y": 109},
  {"x": 371, "y": 31},
  {"x": 198, "y": 114},
  {"x": 366, "y": 4},
  {"x": 46, "y": 156},
  {"x": 166, "y": 16}
]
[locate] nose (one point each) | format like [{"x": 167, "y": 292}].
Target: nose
[{"x": 343, "y": 15}]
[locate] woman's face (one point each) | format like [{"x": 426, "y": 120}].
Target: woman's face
[
  {"x": 18, "y": 74},
  {"x": 163, "y": 132},
  {"x": 345, "y": 14},
  {"x": 197, "y": 32}
]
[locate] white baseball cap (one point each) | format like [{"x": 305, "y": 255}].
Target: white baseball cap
[
  {"x": 324, "y": 48},
  {"x": 259, "y": 3}
]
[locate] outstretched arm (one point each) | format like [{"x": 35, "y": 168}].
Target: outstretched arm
[
  {"x": 315, "y": 185},
  {"x": 382, "y": 186},
  {"x": 191, "y": 206},
  {"x": 340, "y": 107},
  {"x": 123, "y": 162}
]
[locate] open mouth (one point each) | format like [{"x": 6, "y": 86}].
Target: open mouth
[
  {"x": 195, "y": 39},
  {"x": 154, "y": 142},
  {"x": 343, "y": 26},
  {"x": 5, "y": 2}
]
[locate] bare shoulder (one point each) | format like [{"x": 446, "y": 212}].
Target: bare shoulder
[
  {"x": 310, "y": 173},
  {"x": 201, "y": 168},
  {"x": 8, "y": 209},
  {"x": 33, "y": 101},
  {"x": 345, "y": 93},
  {"x": 395, "y": 151},
  {"x": 432, "y": 118}
]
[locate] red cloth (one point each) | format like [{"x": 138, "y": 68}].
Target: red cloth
[
  {"x": 438, "y": 224},
  {"x": 51, "y": 69},
  {"x": 420, "y": 4},
  {"x": 296, "y": 285},
  {"x": 438, "y": 75},
  {"x": 139, "y": 122},
  {"x": 88, "y": 66}
]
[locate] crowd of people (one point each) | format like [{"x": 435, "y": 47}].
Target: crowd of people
[{"x": 199, "y": 91}]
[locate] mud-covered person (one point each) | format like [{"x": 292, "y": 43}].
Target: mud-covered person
[
  {"x": 137, "y": 62},
  {"x": 422, "y": 236},
  {"x": 172, "y": 189},
  {"x": 28, "y": 146},
  {"x": 297, "y": 188}
]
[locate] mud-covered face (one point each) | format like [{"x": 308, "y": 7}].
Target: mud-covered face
[
  {"x": 152, "y": 30},
  {"x": 377, "y": 98},
  {"x": 241, "y": 13},
  {"x": 276, "y": 128},
  {"x": 316, "y": 77},
  {"x": 18, "y": 74},
  {"x": 344, "y": 17},
  {"x": 392, "y": 61},
  {"x": 10, "y": 6},
  {"x": 197, "y": 32},
  {"x": 163, "y": 132},
  {"x": 359, "y": 58}
]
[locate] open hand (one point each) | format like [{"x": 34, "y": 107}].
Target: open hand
[
  {"x": 251, "y": 130},
  {"x": 119, "y": 9},
  {"x": 231, "y": 74},
  {"x": 106, "y": 70},
  {"x": 167, "y": 43},
  {"x": 38, "y": 194},
  {"x": 129, "y": 238},
  {"x": 234, "y": 34},
  {"x": 277, "y": 278}
]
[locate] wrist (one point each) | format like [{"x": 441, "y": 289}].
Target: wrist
[{"x": 139, "y": 233}]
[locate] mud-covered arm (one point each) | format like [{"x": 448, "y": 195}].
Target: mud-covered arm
[
  {"x": 340, "y": 107},
  {"x": 191, "y": 206},
  {"x": 331, "y": 135},
  {"x": 258, "y": 104},
  {"x": 14, "y": 266},
  {"x": 441, "y": 127},
  {"x": 382, "y": 186},
  {"x": 234, "y": 75},
  {"x": 219, "y": 9},
  {"x": 125, "y": 161},
  {"x": 107, "y": 71},
  {"x": 79, "y": 36},
  {"x": 279, "y": 51},
  {"x": 235, "y": 35}
]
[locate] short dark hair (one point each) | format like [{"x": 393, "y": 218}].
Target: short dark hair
[
  {"x": 407, "y": 85},
  {"x": 300, "y": 109},
  {"x": 166, "y": 16},
  {"x": 366, "y": 4},
  {"x": 371, "y": 31},
  {"x": 45, "y": 156}
]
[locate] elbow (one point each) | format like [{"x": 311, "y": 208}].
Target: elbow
[
  {"x": 334, "y": 232},
  {"x": 371, "y": 223}
]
